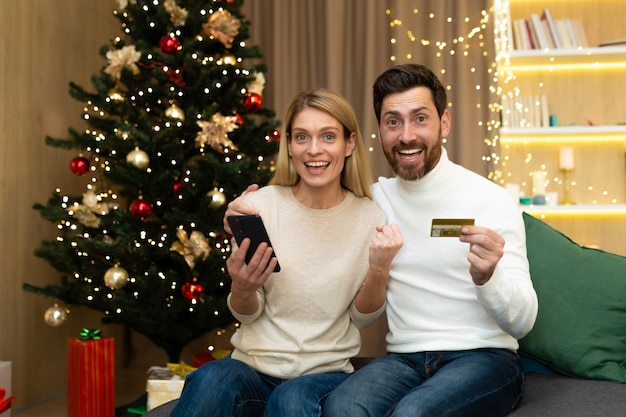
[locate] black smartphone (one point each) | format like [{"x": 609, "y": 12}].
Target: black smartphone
[{"x": 250, "y": 226}]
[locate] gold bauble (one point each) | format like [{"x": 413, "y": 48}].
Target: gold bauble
[
  {"x": 116, "y": 277},
  {"x": 218, "y": 199},
  {"x": 175, "y": 112},
  {"x": 55, "y": 316},
  {"x": 138, "y": 158},
  {"x": 229, "y": 60},
  {"x": 116, "y": 95}
]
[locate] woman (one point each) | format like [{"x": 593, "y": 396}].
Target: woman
[{"x": 299, "y": 327}]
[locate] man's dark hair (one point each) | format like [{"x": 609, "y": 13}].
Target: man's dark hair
[{"x": 401, "y": 78}]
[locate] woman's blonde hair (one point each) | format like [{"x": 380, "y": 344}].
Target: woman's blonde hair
[{"x": 356, "y": 175}]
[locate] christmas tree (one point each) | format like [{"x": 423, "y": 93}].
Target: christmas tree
[{"x": 175, "y": 128}]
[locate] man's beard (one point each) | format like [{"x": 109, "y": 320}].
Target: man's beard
[{"x": 414, "y": 172}]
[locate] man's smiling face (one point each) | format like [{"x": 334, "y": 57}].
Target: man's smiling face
[{"x": 411, "y": 132}]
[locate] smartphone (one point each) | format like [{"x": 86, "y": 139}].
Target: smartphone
[{"x": 250, "y": 226}]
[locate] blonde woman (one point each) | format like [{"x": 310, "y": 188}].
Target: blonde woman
[{"x": 300, "y": 326}]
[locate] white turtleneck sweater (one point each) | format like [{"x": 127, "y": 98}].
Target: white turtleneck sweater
[
  {"x": 432, "y": 302},
  {"x": 307, "y": 322}
]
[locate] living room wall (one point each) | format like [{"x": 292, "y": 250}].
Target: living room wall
[{"x": 45, "y": 44}]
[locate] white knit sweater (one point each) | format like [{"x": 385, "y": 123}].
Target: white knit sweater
[
  {"x": 432, "y": 302},
  {"x": 307, "y": 322}
]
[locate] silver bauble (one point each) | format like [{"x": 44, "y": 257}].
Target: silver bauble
[
  {"x": 55, "y": 316},
  {"x": 116, "y": 277},
  {"x": 138, "y": 158}
]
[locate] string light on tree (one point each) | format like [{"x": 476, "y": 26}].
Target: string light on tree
[
  {"x": 460, "y": 39},
  {"x": 273, "y": 136}
]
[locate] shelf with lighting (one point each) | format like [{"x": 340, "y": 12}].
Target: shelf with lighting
[
  {"x": 565, "y": 99},
  {"x": 574, "y": 209},
  {"x": 549, "y": 59},
  {"x": 569, "y": 134}
]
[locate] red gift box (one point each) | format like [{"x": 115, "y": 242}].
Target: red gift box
[{"x": 91, "y": 377}]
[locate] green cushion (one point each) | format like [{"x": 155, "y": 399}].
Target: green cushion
[{"x": 581, "y": 324}]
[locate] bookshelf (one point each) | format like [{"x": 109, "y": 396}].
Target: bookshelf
[{"x": 565, "y": 98}]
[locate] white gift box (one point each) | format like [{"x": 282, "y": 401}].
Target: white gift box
[
  {"x": 163, "y": 386},
  {"x": 5, "y": 382}
]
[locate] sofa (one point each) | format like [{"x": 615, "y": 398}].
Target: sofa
[{"x": 575, "y": 356}]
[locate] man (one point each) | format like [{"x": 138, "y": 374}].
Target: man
[{"x": 455, "y": 305}]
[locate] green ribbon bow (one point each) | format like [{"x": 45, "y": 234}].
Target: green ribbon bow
[{"x": 90, "y": 334}]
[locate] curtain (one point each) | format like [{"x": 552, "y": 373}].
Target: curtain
[{"x": 344, "y": 44}]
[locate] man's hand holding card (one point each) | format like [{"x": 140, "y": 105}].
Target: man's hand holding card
[{"x": 448, "y": 227}]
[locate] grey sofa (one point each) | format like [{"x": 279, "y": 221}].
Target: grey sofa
[{"x": 549, "y": 395}]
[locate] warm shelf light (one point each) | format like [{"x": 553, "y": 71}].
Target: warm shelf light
[
  {"x": 562, "y": 59},
  {"x": 565, "y": 134},
  {"x": 603, "y": 210}
]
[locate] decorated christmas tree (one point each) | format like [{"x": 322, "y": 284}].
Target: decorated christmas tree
[{"x": 176, "y": 127}]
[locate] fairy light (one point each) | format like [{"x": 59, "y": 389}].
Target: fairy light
[{"x": 464, "y": 44}]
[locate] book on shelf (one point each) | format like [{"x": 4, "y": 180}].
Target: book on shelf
[
  {"x": 579, "y": 32},
  {"x": 567, "y": 40},
  {"x": 547, "y": 15},
  {"x": 572, "y": 33},
  {"x": 544, "y": 32},
  {"x": 537, "y": 29},
  {"x": 534, "y": 43},
  {"x": 546, "y": 29},
  {"x": 521, "y": 36}
]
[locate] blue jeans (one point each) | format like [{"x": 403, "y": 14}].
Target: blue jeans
[
  {"x": 228, "y": 387},
  {"x": 483, "y": 382}
]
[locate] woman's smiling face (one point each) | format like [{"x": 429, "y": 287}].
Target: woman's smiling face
[{"x": 318, "y": 148}]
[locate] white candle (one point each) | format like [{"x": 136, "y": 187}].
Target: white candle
[
  {"x": 566, "y": 158},
  {"x": 539, "y": 183}
]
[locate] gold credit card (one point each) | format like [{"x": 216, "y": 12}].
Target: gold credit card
[{"x": 448, "y": 227}]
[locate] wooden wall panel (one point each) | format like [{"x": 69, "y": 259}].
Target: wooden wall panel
[{"x": 45, "y": 44}]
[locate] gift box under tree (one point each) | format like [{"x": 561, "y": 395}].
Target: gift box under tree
[
  {"x": 165, "y": 383},
  {"x": 5, "y": 389},
  {"x": 91, "y": 375}
]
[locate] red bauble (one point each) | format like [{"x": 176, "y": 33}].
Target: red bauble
[
  {"x": 140, "y": 209},
  {"x": 252, "y": 102},
  {"x": 273, "y": 136},
  {"x": 177, "y": 187},
  {"x": 239, "y": 119},
  {"x": 169, "y": 44},
  {"x": 192, "y": 290},
  {"x": 80, "y": 165}
]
